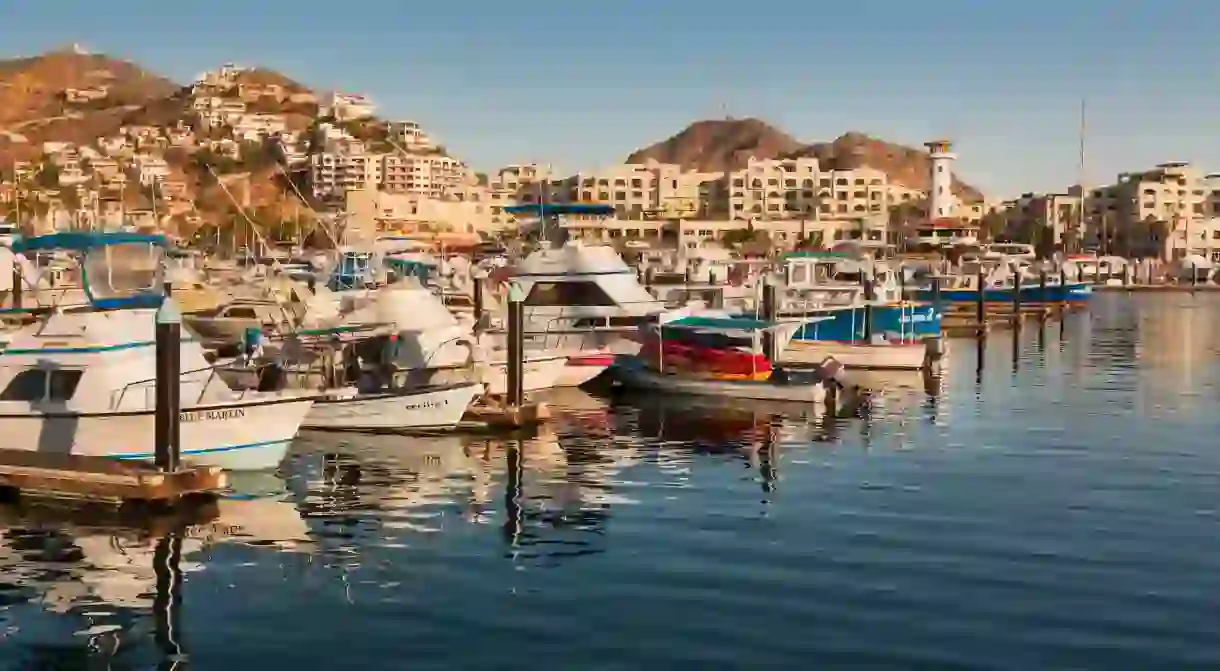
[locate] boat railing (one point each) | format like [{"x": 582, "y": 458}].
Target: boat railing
[{"x": 214, "y": 373}]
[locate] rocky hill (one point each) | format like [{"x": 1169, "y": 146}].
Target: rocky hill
[
  {"x": 90, "y": 100},
  {"x": 717, "y": 145}
]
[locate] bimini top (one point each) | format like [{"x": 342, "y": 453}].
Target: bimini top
[
  {"x": 119, "y": 269},
  {"x": 544, "y": 210},
  {"x": 81, "y": 241}
]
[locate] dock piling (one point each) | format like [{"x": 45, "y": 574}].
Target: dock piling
[
  {"x": 770, "y": 312},
  {"x": 18, "y": 299},
  {"x": 167, "y": 445},
  {"x": 516, "y": 347},
  {"x": 478, "y": 301},
  {"x": 869, "y": 297},
  {"x": 980, "y": 307},
  {"x": 1016, "y": 298}
]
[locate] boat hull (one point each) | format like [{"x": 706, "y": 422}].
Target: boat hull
[
  {"x": 864, "y": 356},
  {"x": 582, "y": 369},
  {"x": 439, "y": 407},
  {"x": 632, "y": 373},
  {"x": 908, "y": 323},
  {"x": 1072, "y": 292},
  {"x": 247, "y": 436}
]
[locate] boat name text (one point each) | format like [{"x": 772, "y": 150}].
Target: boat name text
[{"x": 213, "y": 415}]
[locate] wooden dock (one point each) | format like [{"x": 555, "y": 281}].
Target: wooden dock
[
  {"x": 45, "y": 475},
  {"x": 497, "y": 415},
  {"x": 961, "y": 319}
]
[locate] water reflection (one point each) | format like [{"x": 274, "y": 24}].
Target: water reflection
[{"x": 1022, "y": 508}]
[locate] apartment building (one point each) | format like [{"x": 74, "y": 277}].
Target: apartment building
[
  {"x": 257, "y": 127},
  {"x": 1060, "y": 212},
  {"x": 332, "y": 174},
  {"x": 434, "y": 176},
  {"x": 411, "y": 136},
  {"x": 373, "y": 209},
  {"x": 649, "y": 190},
  {"x": 150, "y": 169},
  {"x": 346, "y": 106}
]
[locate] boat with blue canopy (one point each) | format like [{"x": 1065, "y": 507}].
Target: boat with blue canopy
[{"x": 82, "y": 380}]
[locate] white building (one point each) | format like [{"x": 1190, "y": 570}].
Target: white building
[{"x": 347, "y": 106}]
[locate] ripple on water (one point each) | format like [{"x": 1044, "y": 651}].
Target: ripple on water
[{"x": 1058, "y": 512}]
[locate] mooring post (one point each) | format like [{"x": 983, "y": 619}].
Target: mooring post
[
  {"x": 1194, "y": 276},
  {"x": 478, "y": 301},
  {"x": 980, "y": 306},
  {"x": 516, "y": 346},
  {"x": 869, "y": 296},
  {"x": 18, "y": 299},
  {"x": 1016, "y": 298},
  {"x": 1063, "y": 289},
  {"x": 1042, "y": 293},
  {"x": 167, "y": 433},
  {"x": 770, "y": 313}
]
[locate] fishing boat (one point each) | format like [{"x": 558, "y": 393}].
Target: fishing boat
[
  {"x": 832, "y": 284},
  {"x": 717, "y": 355},
  {"x": 430, "y": 407},
  {"x": 83, "y": 382}
]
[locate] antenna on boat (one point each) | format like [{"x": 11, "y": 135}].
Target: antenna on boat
[{"x": 317, "y": 218}]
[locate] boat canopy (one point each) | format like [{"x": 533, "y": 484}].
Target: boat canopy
[
  {"x": 543, "y": 210},
  {"x": 119, "y": 269}
]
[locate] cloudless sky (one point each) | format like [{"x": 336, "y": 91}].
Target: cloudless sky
[{"x": 580, "y": 85}]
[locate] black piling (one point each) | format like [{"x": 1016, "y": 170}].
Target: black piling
[
  {"x": 516, "y": 347},
  {"x": 478, "y": 302},
  {"x": 167, "y": 431},
  {"x": 17, "y": 283},
  {"x": 769, "y": 314},
  {"x": 1042, "y": 295},
  {"x": 980, "y": 303},
  {"x": 869, "y": 297},
  {"x": 1016, "y": 298}
]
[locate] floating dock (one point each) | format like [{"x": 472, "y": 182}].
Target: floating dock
[{"x": 46, "y": 475}]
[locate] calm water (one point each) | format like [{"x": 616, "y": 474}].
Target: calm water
[{"x": 1055, "y": 507}]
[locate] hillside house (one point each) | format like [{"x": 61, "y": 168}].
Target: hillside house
[
  {"x": 252, "y": 92},
  {"x": 86, "y": 95}
]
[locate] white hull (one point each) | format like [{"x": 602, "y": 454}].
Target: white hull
[
  {"x": 634, "y": 375},
  {"x": 249, "y": 435},
  {"x": 574, "y": 375},
  {"x": 540, "y": 373},
  {"x": 428, "y": 408},
  {"x": 863, "y": 356}
]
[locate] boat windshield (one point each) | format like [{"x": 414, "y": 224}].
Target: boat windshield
[{"x": 123, "y": 271}]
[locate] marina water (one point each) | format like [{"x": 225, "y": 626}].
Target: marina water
[{"x": 1051, "y": 502}]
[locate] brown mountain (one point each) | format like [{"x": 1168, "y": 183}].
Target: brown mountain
[
  {"x": 728, "y": 144},
  {"x": 69, "y": 96},
  {"x": 719, "y": 145}
]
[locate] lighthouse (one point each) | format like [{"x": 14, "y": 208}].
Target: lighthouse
[{"x": 940, "y": 192}]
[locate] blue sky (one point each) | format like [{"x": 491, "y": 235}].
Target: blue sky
[{"x": 580, "y": 85}]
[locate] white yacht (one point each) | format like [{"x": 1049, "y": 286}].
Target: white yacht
[{"x": 83, "y": 381}]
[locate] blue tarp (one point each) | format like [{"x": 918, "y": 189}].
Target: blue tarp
[
  {"x": 82, "y": 240},
  {"x": 554, "y": 209}
]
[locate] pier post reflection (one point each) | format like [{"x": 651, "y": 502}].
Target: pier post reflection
[
  {"x": 167, "y": 601},
  {"x": 767, "y": 460},
  {"x": 980, "y": 353},
  {"x": 514, "y": 516},
  {"x": 1016, "y": 351}
]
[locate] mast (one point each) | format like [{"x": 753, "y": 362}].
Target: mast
[{"x": 1080, "y": 180}]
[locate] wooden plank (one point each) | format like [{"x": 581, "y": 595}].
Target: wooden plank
[{"x": 100, "y": 478}]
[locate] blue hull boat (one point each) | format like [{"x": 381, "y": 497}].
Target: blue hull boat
[{"x": 906, "y": 323}]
